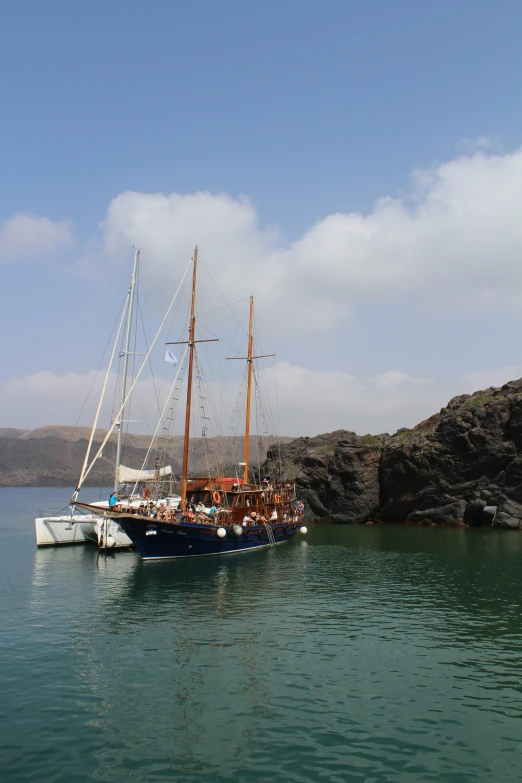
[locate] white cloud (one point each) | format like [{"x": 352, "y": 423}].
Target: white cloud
[
  {"x": 394, "y": 379},
  {"x": 66, "y": 399},
  {"x": 25, "y": 237},
  {"x": 311, "y": 401},
  {"x": 452, "y": 244}
]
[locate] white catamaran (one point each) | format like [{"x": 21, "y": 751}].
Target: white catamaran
[{"x": 75, "y": 526}]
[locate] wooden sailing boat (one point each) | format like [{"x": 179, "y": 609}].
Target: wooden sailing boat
[{"x": 239, "y": 515}]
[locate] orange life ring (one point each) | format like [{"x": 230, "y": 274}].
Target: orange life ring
[
  {"x": 277, "y": 499},
  {"x": 216, "y": 497}
]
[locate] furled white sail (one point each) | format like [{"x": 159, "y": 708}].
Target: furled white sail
[{"x": 130, "y": 475}]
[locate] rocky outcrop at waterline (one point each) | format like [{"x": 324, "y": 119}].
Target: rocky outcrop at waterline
[{"x": 461, "y": 466}]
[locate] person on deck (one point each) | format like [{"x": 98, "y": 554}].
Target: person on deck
[
  {"x": 213, "y": 511},
  {"x": 273, "y": 516},
  {"x": 246, "y": 520},
  {"x": 113, "y": 500}
]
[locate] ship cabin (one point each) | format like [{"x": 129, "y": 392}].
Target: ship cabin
[{"x": 235, "y": 494}]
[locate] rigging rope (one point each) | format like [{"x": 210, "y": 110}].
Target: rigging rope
[{"x": 139, "y": 373}]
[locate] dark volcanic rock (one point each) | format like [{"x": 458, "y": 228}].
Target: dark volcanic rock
[
  {"x": 460, "y": 466},
  {"x": 468, "y": 455},
  {"x": 451, "y": 513},
  {"x": 337, "y": 474}
]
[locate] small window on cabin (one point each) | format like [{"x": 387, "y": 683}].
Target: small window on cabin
[{"x": 239, "y": 501}]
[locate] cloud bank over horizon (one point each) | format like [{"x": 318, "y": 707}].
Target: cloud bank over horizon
[{"x": 305, "y": 402}]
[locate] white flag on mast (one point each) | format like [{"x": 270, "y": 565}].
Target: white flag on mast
[{"x": 169, "y": 357}]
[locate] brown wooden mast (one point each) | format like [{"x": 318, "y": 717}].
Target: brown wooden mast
[
  {"x": 192, "y": 334},
  {"x": 250, "y": 359},
  {"x": 191, "y": 342},
  {"x": 249, "y": 390}
]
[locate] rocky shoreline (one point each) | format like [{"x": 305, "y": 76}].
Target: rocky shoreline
[{"x": 462, "y": 466}]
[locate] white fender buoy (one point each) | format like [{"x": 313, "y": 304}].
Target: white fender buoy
[
  {"x": 238, "y": 530},
  {"x": 111, "y": 542},
  {"x": 221, "y": 532},
  {"x": 303, "y": 529}
]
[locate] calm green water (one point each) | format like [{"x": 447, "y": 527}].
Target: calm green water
[{"x": 365, "y": 654}]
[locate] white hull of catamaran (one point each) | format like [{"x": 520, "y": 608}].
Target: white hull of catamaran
[
  {"x": 58, "y": 530},
  {"x": 110, "y": 535}
]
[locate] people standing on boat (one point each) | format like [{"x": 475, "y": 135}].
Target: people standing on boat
[
  {"x": 213, "y": 511},
  {"x": 113, "y": 500},
  {"x": 246, "y": 520},
  {"x": 273, "y": 516}
]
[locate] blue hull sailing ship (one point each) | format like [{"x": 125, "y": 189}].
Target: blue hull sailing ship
[{"x": 216, "y": 515}]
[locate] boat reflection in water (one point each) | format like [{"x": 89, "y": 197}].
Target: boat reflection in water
[{"x": 157, "y": 653}]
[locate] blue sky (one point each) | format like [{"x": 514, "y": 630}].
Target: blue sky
[{"x": 307, "y": 109}]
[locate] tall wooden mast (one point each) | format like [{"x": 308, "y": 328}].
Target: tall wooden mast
[
  {"x": 192, "y": 334},
  {"x": 250, "y": 359},
  {"x": 249, "y": 390},
  {"x": 191, "y": 342}
]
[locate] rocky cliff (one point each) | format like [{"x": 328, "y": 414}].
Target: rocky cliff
[{"x": 461, "y": 466}]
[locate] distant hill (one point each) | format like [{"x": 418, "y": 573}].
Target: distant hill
[
  {"x": 52, "y": 456},
  {"x": 10, "y": 432}
]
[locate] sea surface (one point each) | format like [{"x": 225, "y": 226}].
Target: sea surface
[{"x": 381, "y": 653}]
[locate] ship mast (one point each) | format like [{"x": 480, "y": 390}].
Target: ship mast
[
  {"x": 250, "y": 360},
  {"x": 191, "y": 342},
  {"x": 249, "y": 390},
  {"x": 125, "y": 354},
  {"x": 192, "y": 334}
]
